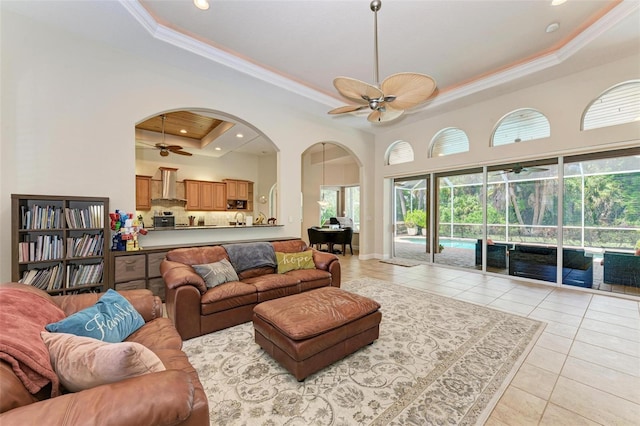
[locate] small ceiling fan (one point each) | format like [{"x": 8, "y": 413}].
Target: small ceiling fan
[
  {"x": 173, "y": 149},
  {"x": 519, "y": 168},
  {"x": 166, "y": 149},
  {"x": 390, "y": 99}
]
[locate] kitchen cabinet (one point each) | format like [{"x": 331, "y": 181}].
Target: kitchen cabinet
[
  {"x": 205, "y": 195},
  {"x": 219, "y": 196},
  {"x": 237, "y": 189},
  {"x": 143, "y": 192}
]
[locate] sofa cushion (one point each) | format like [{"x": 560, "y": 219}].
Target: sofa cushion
[
  {"x": 157, "y": 334},
  {"x": 272, "y": 281},
  {"x": 294, "y": 261},
  {"x": 111, "y": 319},
  {"x": 83, "y": 362},
  {"x": 216, "y": 273}
]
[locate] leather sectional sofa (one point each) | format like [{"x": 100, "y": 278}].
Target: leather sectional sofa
[
  {"x": 171, "y": 397},
  {"x": 197, "y": 310}
]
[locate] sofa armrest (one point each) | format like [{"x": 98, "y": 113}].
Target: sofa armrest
[
  {"x": 143, "y": 300},
  {"x": 116, "y": 404},
  {"x": 328, "y": 262},
  {"x": 177, "y": 274}
]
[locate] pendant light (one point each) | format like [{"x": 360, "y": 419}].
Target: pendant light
[{"x": 322, "y": 203}]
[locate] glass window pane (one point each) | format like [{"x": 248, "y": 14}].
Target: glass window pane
[
  {"x": 449, "y": 141},
  {"x": 400, "y": 152},
  {"x": 521, "y": 125},
  {"x": 618, "y": 105}
]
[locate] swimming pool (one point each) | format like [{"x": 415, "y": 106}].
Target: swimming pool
[{"x": 446, "y": 242}]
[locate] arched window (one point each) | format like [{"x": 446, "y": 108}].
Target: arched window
[
  {"x": 449, "y": 141},
  {"x": 399, "y": 152},
  {"x": 619, "y": 104},
  {"x": 521, "y": 125}
]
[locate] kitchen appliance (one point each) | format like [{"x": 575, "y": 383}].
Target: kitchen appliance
[{"x": 164, "y": 221}]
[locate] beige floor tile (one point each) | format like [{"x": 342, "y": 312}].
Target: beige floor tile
[
  {"x": 554, "y": 342},
  {"x": 606, "y": 357},
  {"x": 562, "y": 307},
  {"x": 493, "y": 421},
  {"x": 602, "y": 300},
  {"x": 512, "y": 307},
  {"x": 486, "y": 290},
  {"x": 546, "y": 359},
  {"x": 558, "y": 416},
  {"x": 441, "y": 290},
  {"x": 517, "y": 407},
  {"x": 613, "y": 319},
  {"x": 605, "y": 379},
  {"x": 535, "y": 380},
  {"x": 570, "y": 297},
  {"x": 564, "y": 330},
  {"x": 480, "y": 299},
  {"x": 458, "y": 284},
  {"x": 611, "y": 329},
  {"x": 628, "y": 347},
  {"x": 520, "y": 298},
  {"x": 616, "y": 310},
  {"x": 548, "y": 315},
  {"x": 594, "y": 404}
]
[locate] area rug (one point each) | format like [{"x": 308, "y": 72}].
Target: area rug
[
  {"x": 437, "y": 361},
  {"x": 401, "y": 262}
]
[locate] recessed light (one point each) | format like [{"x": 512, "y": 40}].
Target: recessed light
[
  {"x": 218, "y": 148},
  {"x": 183, "y": 131},
  {"x": 552, "y": 27},
  {"x": 201, "y": 4},
  {"x": 557, "y": 2},
  {"x": 239, "y": 135}
]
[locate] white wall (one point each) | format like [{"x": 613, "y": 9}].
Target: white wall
[{"x": 69, "y": 108}]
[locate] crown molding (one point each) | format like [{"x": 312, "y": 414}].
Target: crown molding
[{"x": 180, "y": 40}]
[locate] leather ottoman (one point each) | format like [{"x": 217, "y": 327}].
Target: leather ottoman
[{"x": 309, "y": 331}]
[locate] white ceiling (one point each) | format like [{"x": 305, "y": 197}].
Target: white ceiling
[{"x": 475, "y": 49}]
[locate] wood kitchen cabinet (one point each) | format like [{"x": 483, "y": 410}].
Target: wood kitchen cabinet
[
  {"x": 237, "y": 189},
  {"x": 143, "y": 192},
  {"x": 205, "y": 196}
]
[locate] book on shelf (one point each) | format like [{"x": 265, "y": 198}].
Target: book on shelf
[
  {"x": 41, "y": 217},
  {"x": 89, "y": 217}
]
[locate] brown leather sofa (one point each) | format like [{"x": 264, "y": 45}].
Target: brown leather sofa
[
  {"x": 171, "y": 397},
  {"x": 197, "y": 310}
]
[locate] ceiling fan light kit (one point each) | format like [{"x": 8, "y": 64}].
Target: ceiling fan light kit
[{"x": 389, "y": 100}]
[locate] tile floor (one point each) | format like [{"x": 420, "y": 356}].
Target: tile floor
[{"x": 584, "y": 368}]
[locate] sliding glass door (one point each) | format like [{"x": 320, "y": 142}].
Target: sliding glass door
[{"x": 410, "y": 218}]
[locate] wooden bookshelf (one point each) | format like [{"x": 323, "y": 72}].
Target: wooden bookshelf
[{"x": 60, "y": 244}]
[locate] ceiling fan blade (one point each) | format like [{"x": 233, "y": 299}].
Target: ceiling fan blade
[
  {"x": 410, "y": 89},
  {"x": 181, "y": 152},
  {"x": 347, "y": 108},
  {"x": 388, "y": 114},
  {"x": 174, "y": 147},
  {"x": 535, "y": 169},
  {"x": 356, "y": 90}
]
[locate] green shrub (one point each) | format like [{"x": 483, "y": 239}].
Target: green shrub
[{"x": 416, "y": 217}]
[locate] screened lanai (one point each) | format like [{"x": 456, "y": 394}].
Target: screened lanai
[{"x": 582, "y": 213}]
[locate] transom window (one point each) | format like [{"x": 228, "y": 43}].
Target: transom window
[
  {"x": 449, "y": 141},
  {"x": 618, "y": 105},
  {"x": 521, "y": 125},
  {"x": 399, "y": 152}
]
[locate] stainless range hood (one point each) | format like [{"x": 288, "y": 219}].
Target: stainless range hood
[{"x": 169, "y": 177}]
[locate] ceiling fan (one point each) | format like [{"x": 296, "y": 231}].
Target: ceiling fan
[
  {"x": 389, "y": 100},
  {"x": 518, "y": 168},
  {"x": 166, "y": 149}
]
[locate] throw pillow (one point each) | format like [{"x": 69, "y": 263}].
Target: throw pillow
[
  {"x": 292, "y": 261},
  {"x": 111, "y": 319},
  {"x": 83, "y": 362},
  {"x": 216, "y": 273}
]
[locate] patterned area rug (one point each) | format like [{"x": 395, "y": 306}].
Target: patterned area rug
[
  {"x": 401, "y": 262},
  {"x": 437, "y": 361}
]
